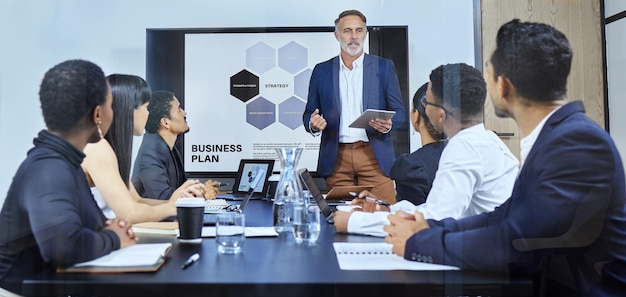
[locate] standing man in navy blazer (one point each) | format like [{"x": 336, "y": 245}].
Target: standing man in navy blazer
[
  {"x": 565, "y": 222},
  {"x": 339, "y": 91}
]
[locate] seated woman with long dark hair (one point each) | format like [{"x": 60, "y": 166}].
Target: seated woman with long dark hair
[{"x": 108, "y": 162}]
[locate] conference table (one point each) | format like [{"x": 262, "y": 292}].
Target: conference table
[{"x": 273, "y": 266}]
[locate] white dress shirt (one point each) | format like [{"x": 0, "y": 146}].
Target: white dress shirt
[
  {"x": 351, "y": 97},
  {"x": 476, "y": 173},
  {"x": 527, "y": 142}
]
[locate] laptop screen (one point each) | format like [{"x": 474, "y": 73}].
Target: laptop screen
[
  {"x": 308, "y": 181},
  {"x": 257, "y": 179},
  {"x": 248, "y": 170}
]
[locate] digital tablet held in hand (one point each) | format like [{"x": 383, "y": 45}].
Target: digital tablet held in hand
[{"x": 363, "y": 121}]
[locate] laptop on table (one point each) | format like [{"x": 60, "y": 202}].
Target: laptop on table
[
  {"x": 211, "y": 218},
  {"x": 326, "y": 209},
  {"x": 247, "y": 172}
]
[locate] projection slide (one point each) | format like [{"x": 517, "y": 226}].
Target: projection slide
[{"x": 245, "y": 94}]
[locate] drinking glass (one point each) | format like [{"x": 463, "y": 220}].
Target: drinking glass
[
  {"x": 230, "y": 232},
  {"x": 308, "y": 231}
]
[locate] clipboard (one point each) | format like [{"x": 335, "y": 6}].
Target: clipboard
[{"x": 363, "y": 121}]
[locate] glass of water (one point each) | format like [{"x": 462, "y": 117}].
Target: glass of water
[
  {"x": 230, "y": 232},
  {"x": 308, "y": 231}
]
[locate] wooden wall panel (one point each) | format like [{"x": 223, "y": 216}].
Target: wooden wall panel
[{"x": 580, "y": 21}]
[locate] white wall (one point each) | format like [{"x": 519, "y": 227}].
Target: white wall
[
  {"x": 612, "y": 7},
  {"x": 616, "y": 72},
  {"x": 36, "y": 35}
]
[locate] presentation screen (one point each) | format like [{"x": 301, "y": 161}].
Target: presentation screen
[{"x": 245, "y": 94}]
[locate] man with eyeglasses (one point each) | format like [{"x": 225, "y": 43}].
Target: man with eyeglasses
[
  {"x": 476, "y": 169},
  {"x": 565, "y": 223},
  {"x": 340, "y": 89},
  {"x": 425, "y": 102}
]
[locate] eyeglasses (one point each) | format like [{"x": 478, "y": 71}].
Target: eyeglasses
[{"x": 424, "y": 103}]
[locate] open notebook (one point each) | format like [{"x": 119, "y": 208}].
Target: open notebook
[{"x": 144, "y": 257}]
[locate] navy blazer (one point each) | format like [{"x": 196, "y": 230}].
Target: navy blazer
[
  {"x": 158, "y": 171},
  {"x": 567, "y": 205},
  {"x": 381, "y": 90}
]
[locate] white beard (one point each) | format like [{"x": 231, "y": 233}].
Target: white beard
[{"x": 349, "y": 51}]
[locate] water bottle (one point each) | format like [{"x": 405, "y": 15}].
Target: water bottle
[{"x": 288, "y": 191}]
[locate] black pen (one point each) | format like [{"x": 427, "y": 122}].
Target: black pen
[
  {"x": 377, "y": 201},
  {"x": 221, "y": 184},
  {"x": 193, "y": 259}
]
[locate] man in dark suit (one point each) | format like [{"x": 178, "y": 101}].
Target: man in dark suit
[
  {"x": 339, "y": 91},
  {"x": 565, "y": 222},
  {"x": 158, "y": 170}
]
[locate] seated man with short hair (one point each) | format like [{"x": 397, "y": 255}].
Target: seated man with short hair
[{"x": 476, "y": 169}]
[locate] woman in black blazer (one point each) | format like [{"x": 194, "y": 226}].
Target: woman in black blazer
[{"x": 414, "y": 173}]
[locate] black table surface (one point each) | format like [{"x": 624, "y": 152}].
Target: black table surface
[{"x": 273, "y": 266}]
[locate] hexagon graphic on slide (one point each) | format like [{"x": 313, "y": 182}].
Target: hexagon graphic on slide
[
  {"x": 290, "y": 112},
  {"x": 276, "y": 85},
  {"x": 292, "y": 57},
  {"x": 260, "y": 113},
  {"x": 260, "y": 58},
  {"x": 301, "y": 83},
  {"x": 244, "y": 85}
]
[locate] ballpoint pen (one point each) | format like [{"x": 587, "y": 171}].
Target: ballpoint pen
[
  {"x": 377, "y": 201},
  {"x": 221, "y": 184},
  {"x": 193, "y": 259}
]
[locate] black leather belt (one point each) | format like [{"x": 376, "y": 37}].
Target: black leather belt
[{"x": 355, "y": 145}]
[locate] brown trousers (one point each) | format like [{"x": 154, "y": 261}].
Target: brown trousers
[{"x": 356, "y": 165}]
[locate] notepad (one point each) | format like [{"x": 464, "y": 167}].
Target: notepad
[
  {"x": 158, "y": 228},
  {"x": 144, "y": 257},
  {"x": 377, "y": 256}
]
